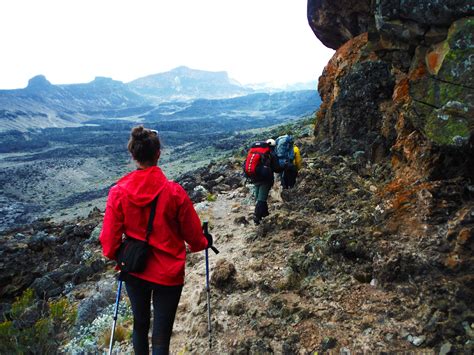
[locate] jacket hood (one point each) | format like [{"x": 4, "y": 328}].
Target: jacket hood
[{"x": 142, "y": 186}]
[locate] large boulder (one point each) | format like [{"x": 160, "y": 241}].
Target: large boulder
[
  {"x": 354, "y": 87},
  {"x": 335, "y": 22}
]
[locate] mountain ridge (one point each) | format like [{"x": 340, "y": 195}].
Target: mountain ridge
[
  {"x": 44, "y": 105},
  {"x": 183, "y": 83}
]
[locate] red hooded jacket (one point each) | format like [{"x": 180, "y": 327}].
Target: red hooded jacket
[{"x": 176, "y": 222}]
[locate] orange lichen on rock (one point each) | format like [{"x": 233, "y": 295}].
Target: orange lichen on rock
[
  {"x": 465, "y": 235},
  {"x": 401, "y": 92},
  {"x": 419, "y": 70},
  {"x": 406, "y": 205},
  {"x": 403, "y": 193},
  {"x": 413, "y": 155},
  {"x": 435, "y": 58},
  {"x": 452, "y": 261},
  {"x": 338, "y": 66}
]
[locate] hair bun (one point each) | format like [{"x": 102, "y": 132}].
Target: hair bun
[
  {"x": 143, "y": 144},
  {"x": 139, "y": 133}
]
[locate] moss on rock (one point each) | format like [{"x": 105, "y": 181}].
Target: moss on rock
[
  {"x": 457, "y": 66},
  {"x": 443, "y": 100},
  {"x": 444, "y": 129}
]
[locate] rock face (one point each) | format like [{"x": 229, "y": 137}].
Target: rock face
[
  {"x": 399, "y": 92},
  {"x": 402, "y": 73}
]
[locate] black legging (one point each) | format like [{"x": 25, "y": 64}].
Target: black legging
[{"x": 165, "y": 303}]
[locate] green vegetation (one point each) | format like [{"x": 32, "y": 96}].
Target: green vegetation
[
  {"x": 122, "y": 333},
  {"x": 96, "y": 335},
  {"x": 35, "y": 328},
  {"x": 211, "y": 198}
]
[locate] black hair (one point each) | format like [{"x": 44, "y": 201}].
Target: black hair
[{"x": 143, "y": 144}]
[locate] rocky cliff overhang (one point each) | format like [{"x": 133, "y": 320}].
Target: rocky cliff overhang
[
  {"x": 402, "y": 72},
  {"x": 336, "y": 22}
]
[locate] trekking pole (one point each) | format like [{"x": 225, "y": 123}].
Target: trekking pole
[
  {"x": 208, "y": 290},
  {"x": 119, "y": 290}
]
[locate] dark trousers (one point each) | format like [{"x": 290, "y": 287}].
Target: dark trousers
[
  {"x": 165, "y": 302},
  {"x": 288, "y": 178}
]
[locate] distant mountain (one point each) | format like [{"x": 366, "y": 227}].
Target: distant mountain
[
  {"x": 42, "y": 104},
  {"x": 310, "y": 85},
  {"x": 183, "y": 83},
  {"x": 270, "y": 87},
  {"x": 170, "y": 94},
  {"x": 236, "y": 112}
]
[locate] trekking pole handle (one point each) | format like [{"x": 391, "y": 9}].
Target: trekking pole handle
[{"x": 205, "y": 229}]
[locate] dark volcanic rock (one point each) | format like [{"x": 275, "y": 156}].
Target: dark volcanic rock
[
  {"x": 356, "y": 111},
  {"x": 89, "y": 308},
  {"x": 211, "y": 179},
  {"x": 412, "y": 21},
  {"x": 36, "y": 258},
  {"x": 335, "y": 22},
  {"x": 45, "y": 287},
  {"x": 253, "y": 346}
]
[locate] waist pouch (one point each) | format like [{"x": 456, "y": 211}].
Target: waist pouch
[{"x": 132, "y": 255}]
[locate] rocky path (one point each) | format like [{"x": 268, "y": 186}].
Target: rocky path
[
  {"x": 190, "y": 330},
  {"x": 261, "y": 304}
]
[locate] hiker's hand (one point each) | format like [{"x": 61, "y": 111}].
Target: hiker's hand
[{"x": 209, "y": 239}]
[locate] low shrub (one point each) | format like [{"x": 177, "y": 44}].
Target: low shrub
[{"x": 35, "y": 328}]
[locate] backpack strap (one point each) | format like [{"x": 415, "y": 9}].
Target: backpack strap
[{"x": 149, "y": 228}]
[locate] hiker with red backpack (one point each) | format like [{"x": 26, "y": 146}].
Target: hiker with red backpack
[
  {"x": 259, "y": 166},
  {"x": 289, "y": 160}
]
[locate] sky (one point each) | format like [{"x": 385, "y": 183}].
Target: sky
[{"x": 73, "y": 41}]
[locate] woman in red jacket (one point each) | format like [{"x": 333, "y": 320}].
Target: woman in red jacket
[{"x": 175, "y": 222}]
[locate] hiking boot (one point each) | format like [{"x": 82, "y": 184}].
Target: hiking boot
[
  {"x": 265, "y": 212},
  {"x": 285, "y": 195},
  {"x": 256, "y": 220},
  {"x": 260, "y": 210}
]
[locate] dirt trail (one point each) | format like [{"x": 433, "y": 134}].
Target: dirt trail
[
  {"x": 229, "y": 238},
  {"x": 259, "y": 303},
  {"x": 265, "y": 308}
]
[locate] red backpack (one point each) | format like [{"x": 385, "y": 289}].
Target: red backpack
[{"x": 256, "y": 164}]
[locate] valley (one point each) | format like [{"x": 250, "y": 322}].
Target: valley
[{"x": 63, "y": 173}]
